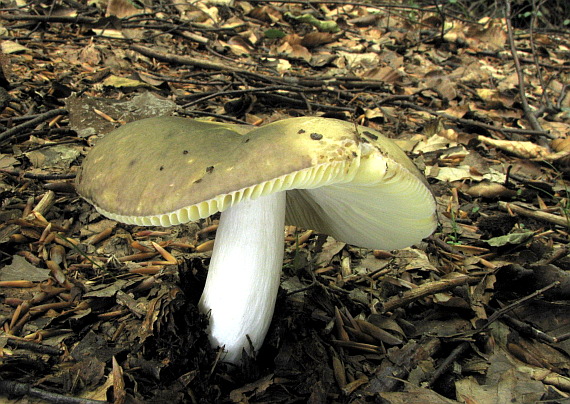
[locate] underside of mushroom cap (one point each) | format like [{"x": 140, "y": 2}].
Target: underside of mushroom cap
[
  {"x": 344, "y": 180},
  {"x": 388, "y": 204}
]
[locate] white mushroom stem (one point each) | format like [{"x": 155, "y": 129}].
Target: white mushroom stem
[{"x": 244, "y": 273}]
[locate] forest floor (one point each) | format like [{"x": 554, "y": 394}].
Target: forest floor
[{"x": 479, "y": 312}]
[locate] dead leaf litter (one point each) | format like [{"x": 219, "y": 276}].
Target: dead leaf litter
[{"x": 95, "y": 311}]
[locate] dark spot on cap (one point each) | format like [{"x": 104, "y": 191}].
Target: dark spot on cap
[
  {"x": 370, "y": 135},
  {"x": 301, "y": 131},
  {"x": 246, "y": 140},
  {"x": 316, "y": 136},
  {"x": 161, "y": 168},
  {"x": 184, "y": 151},
  {"x": 209, "y": 169},
  {"x": 354, "y": 154},
  {"x": 132, "y": 162}
]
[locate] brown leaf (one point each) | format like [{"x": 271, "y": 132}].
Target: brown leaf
[
  {"x": 241, "y": 395},
  {"x": 491, "y": 37},
  {"x": 119, "y": 392},
  {"x": 122, "y": 9},
  {"x": 90, "y": 55},
  {"x": 415, "y": 395},
  {"x": 562, "y": 144},
  {"x": 489, "y": 190},
  {"x": 365, "y": 21},
  {"x": 518, "y": 148},
  {"x": 240, "y": 46},
  {"x": 265, "y": 14},
  {"x": 315, "y": 39}
]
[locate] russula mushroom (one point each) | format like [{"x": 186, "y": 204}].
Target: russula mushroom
[{"x": 331, "y": 176}]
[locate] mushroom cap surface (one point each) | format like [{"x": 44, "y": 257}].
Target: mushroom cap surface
[{"x": 345, "y": 180}]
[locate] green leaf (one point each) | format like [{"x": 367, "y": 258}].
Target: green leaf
[
  {"x": 274, "y": 33},
  {"x": 513, "y": 238},
  {"x": 323, "y": 26}
]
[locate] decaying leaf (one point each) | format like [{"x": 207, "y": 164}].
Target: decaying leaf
[
  {"x": 315, "y": 39},
  {"x": 123, "y": 82},
  {"x": 513, "y": 238},
  {"x": 250, "y": 390},
  {"x": 9, "y": 47},
  {"x": 123, "y": 8},
  {"x": 115, "y": 305},
  {"x": 561, "y": 144},
  {"x": 53, "y": 156},
  {"x": 21, "y": 269},
  {"x": 489, "y": 190},
  {"x": 522, "y": 149}
]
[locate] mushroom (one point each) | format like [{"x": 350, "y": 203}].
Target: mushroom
[{"x": 337, "y": 178}]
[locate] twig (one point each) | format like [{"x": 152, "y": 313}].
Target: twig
[
  {"x": 562, "y": 96},
  {"x": 50, "y": 18},
  {"x": 535, "y": 214},
  {"x": 527, "y": 329},
  {"x": 229, "y": 93},
  {"x": 37, "y": 176},
  {"x": 374, "y": 5},
  {"x": 501, "y": 56},
  {"x": 562, "y": 337},
  {"x": 32, "y": 123},
  {"x": 22, "y": 389},
  {"x": 33, "y": 346},
  {"x": 547, "y": 106},
  {"x": 448, "y": 362},
  {"x": 529, "y": 114},
  {"x": 185, "y": 60},
  {"x": 499, "y": 313},
  {"x": 219, "y": 116},
  {"x": 474, "y": 123},
  {"x": 299, "y": 81},
  {"x": 424, "y": 290}
]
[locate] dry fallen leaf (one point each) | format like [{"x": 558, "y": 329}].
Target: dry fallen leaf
[
  {"x": 490, "y": 190},
  {"x": 562, "y": 144},
  {"x": 315, "y": 39},
  {"x": 518, "y": 148}
]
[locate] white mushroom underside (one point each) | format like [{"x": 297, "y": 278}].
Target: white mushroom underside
[
  {"x": 384, "y": 207},
  {"x": 244, "y": 273}
]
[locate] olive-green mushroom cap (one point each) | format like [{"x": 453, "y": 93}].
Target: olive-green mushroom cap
[{"x": 344, "y": 180}]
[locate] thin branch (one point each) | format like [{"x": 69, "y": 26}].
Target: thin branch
[
  {"x": 22, "y": 389},
  {"x": 449, "y": 360},
  {"x": 428, "y": 288},
  {"x": 545, "y": 98},
  {"x": 499, "y": 313},
  {"x": 474, "y": 123},
  {"x": 529, "y": 114},
  {"x": 535, "y": 214},
  {"x": 229, "y": 93},
  {"x": 38, "y": 176},
  {"x": 31, "y": 123}
]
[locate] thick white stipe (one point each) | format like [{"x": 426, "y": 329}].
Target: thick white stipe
[{"x": 244, "y": 274}]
